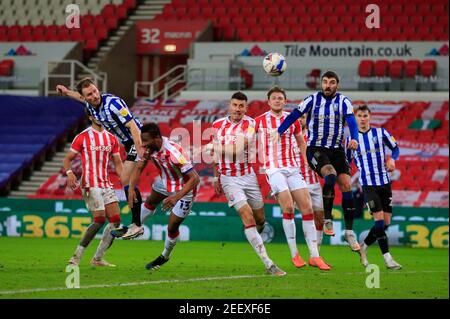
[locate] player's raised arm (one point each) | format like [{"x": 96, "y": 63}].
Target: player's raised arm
[
  {"x": 302, "y": 108},
  {"x": 61, "y": 89}
]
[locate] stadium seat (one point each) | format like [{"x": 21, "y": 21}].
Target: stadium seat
[
  {"x": 428, "y": 68},
  {"x": 396, "y": 68},
  {"x": 412, "y": 68},
  {"x": 381, "y": 68}
]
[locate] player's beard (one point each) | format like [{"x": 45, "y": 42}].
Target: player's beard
[{"x": 329, "y": 93}]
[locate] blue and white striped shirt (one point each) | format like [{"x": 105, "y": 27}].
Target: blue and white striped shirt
[
  {"x": 113, "y": 114},
  {"x": 371, "y": 156},
  {"x": 326, "y": 119}
]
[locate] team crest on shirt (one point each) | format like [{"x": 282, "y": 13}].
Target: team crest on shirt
[
  {"x": 375, "y": 140},
  {"x": 335, "y": 107},
  {"x": 124, "y": 112}
]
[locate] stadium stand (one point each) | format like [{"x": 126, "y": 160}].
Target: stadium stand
[
  {"x": 32, "y": 129},
  {"x": 45, "y": 21},
  {"x": 312, "y": 20}
]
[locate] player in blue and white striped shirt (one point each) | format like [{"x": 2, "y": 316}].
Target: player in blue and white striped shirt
[
  {"x": 374, "y": 167},
  {"x": 113, "y": 113},
  {"x": 327, "y": 113}
]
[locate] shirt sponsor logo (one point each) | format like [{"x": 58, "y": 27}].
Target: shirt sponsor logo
[{"x": 101, "y": 148}]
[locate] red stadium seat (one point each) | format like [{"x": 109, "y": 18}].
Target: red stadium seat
[
  {"x": 89, "y": 33},
  {"x": 121, "y": 12},
  {"x": 101, "y": 33},
  {"x": 428, "y": 68},
  {"x": 365, "y": 68},
  {"x": 381, "y": 68},
  {"x": 396, "y": 68},
  {"x": 91, "y": 45},
  {"x": 111, "y": 23},
  {"x": 412, "y": 68},
  {"x": 108, "y": 11},
  {"x": 130, "y": 4}
]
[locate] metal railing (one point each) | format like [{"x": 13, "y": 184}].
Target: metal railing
[
  {"x": 67, "y": 72},
  {"x": 150, "y": 86}
]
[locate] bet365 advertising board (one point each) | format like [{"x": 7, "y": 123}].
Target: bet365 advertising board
[{"x": 415, "y": 227}]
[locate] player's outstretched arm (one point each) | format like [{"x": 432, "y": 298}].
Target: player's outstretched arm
[
  {"x": 61, "y": 89},
  {"x": 191, "y": 181},
  {"x": 289, "y": 120}
]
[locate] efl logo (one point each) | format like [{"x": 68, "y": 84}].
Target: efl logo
[{"x": 73, "y": 19}]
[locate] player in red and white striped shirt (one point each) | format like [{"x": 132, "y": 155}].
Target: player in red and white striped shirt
[
  {"x": 96, "y": 146},
  {"x": 283, "y": 174},
  {"x": 233, "y": 143},
  {"x": 175, "y": 186},
  {"x": 312, "y": 180}
]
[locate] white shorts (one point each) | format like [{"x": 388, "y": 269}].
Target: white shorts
[
  {"x": 315, "y": 190},
  {"x": 183, "y": 207},
  {"x": 96, "y": 198},
  {"x": 286, "y": 178},
  {"x": 240, "y": 189}
]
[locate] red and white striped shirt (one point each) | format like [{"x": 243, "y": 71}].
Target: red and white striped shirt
[
  {"x": 279, "y": 155},
  {"x": 172, "y": 163},
  {"x": 227, "y": 133},
  {"x": 308, "y": 174},
  {"x": 95, "y": 149}
]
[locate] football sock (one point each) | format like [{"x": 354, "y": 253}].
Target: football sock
[
  {"x": 257, "y": 243},
  {"x": 92, "y": 230},
  {"x": 319, "y": 234},
  {"x": 106, "y": 242},
  {"x": 328, "y": 195},
  {"x": 79, "y": 251},
  {"x": 147, "y": 210},
  {"x": 381, "y": 236},
  {"x": 309, "y": 231},
  {"x": 171, "y": 241},
  {"x": 371, "y": 237},
  {"x": 348, "y": 206},
  {"x": 136, "y": 210},
  {"x": 290, "y": 232}
]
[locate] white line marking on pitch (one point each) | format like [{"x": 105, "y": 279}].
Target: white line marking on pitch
[{"x": 175, "y": 281}]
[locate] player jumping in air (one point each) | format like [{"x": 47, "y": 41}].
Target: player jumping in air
[
  {"x": 283, "y": 174},
  {"x": 372, "y": 162},
  {"x": 327, "y": 112},
  {"x": 233, "y": 174},
  {"x": 112, "y": 112},
  {"x": 175, "y": 186},
  {"x": 95, "y": 146}
]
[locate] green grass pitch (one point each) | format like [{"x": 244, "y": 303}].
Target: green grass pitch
[{"x": 35, "y": 268}]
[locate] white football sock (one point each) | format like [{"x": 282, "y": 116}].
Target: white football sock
[
  {"x": 319, "y": 234},
  {"x": 79, "y": 251},
  {"x": 169, "y": 245},
  {"x": 105, "y": 243},
  {"x": 289, "y": 231},
  {"x": 309, "y": 230},
  {"x": 257, "y": 243}
]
